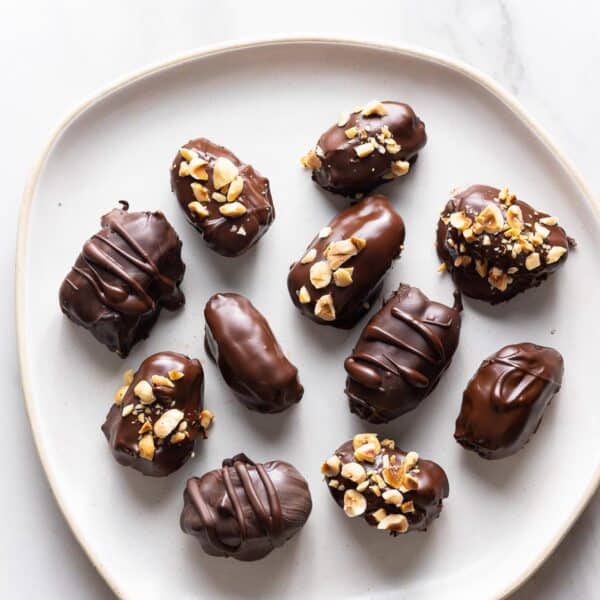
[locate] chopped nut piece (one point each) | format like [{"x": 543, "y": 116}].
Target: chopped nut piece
[
  {"x": 146, "y": 447},
  {"x": 367, "y": 452},
  {"x": 392, "y": 147},
  {"x": 408, "y": 507},
  {"x": 218, "y": 197},
  {"x": 549, "y": 221},
  {"x": 167, "y": 422},
  {"x": 177, "y": 437},
  {"x": 486, "y": 241},
  {"x": 324, "y": 308},
  {"x": 331, "y": 467},
  {"x": 400, "y": 168},
  {"x": 514, "y": 216},
  {"x": 395, "y": 523},
  {"x": 235, "y": 189},
  {"x": 498, "y": 279},
  {"x": 128, "y": 377},
  {"x": 409, "y": 483},
  {"x": 232, "y": 210},
  {"x": 442, "y": 268},
  {"x": 187, "y": 154},
  {"x": 182, "y": 426},
  {"x": 343, "y": 119},
  {"x": 364, "y": 150},
  {"x": 554, "y": 254},
  {"x": 303, "y": 295},
  {"x": 393, "y": 497},
  {"x": 460, "y": 220},
  {"x": 127, "y": 410},
  {"x": 361, "y": 487},
  {"x": 393, "y": 475},
  {"x": 143, "y": 390},
  {"x": 343, "y": 277},
  {"x": 334, "y": 483},
  {"x": 120, "y": 394},
  {"x": 410, "y": 460},
  {"x": 491, "y": 219},
  {"x": 206, "y": 419},
  {"x": 320, "y": 274},
  {"x": 360, "y": 243},
  {"x": 311, "y": 161},
  {"x": 159, "y": 380},
  {"x": 341, "y": 251},
  {"x": 389, "y": 444},
  {"x": 462, "y": 261},
  {"x": 224, "y": 172},
  {"x": 481, "y": 267},
  {"x": 201, "y": 193},
  {"x": 309, "y": 257},
  {"x": 325, "y": 232},
  {"x": 174, "y": 375},
  {"x": 355, "y": 503},
  {"x": 198, "y": 209},
  {"x": 354, "y": 472},
  {"x": 145, "y": 428},
  {"x": 469, "y": 235},
  {"x": 374, "y": 108},
  {"x": 184, "y": 169},
  {"x": 379, "y": 514},
  {"x": 532, "y": 261},
  {"x": 543, "y": 231},
  {"x": 351, "y": 133},
  {"x": 197, "y": 169},
  {"x": 360, "y": 439}
]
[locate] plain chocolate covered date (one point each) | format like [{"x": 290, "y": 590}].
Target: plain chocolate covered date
[
  {"x": 401, "y": 355},
  {"x": 158, "y": 414},
  {"x": 342, "y": 270},
  {"x": 390, "y": 489},
  {"x": 240, "y": 341},
  {"x": 371, "y": 145},
  {"x": 227, "y": 201},
  {"x": 124, "y": 275},
  {"x": 245, "y": 509},
  {"x": 495, "y": 246},
  {"x": 504, "y": 402}
]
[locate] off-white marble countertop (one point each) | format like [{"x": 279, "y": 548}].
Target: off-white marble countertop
[{"x": 53, "y": 54}]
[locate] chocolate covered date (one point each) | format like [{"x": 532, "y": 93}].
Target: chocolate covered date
[
  {"x": 390, "y": 489},
  {"x": 342, "y": 270},
  {"x": 125, "y": 274},
  {"x": 504, "y": 402},
  {"x": 366, "y": 147},
  {"x": 401, "y": 355},
  {"x": 157, "y": 414},
  {"x": 245, "y": 509},
  {"x": 227, "y": 201},
  {"x": 240, "y": 341},
  {"x": 495, "y": 246}
]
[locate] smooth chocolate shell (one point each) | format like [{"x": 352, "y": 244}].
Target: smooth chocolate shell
[
  {"x": 226, "y": 235},
  {"x": 240, "y": 341},
  {"x": 504, "y": 402},
  {"x": 245, "y": 509},
  {"x": 401, "y": 355},
  {"x": 497, "y": 263},
  {"x": 373, "y": 220},
  {"x": 125, "y": 274}
]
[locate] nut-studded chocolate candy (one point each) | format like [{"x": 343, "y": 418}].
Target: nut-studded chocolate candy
[
  {"x": 342, "y": 270},
  {"x": 245, "y": 509},
  {"x": 504, "y": 402},
  {"x": 401, "y": 355},
  {"x": 495, "y": 246},
  {"x": 157, "y": 414},
  {"x": 124, "y": 275},
  {"x": 372, "y": 144},
  {"x": 240, "y": 341},
  {"x": 392, "y": 490},
  {"x": 227, "y": 201}
]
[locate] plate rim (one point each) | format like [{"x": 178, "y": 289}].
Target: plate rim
[{"x": 248, "y": 43}]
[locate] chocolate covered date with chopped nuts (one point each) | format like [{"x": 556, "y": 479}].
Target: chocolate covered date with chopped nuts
[
  {"x": 495, "y": 245},
  {"x": 505, "y": 400},
  {"x": 227, "y": 201},
  {"x": 392, "y": 490},
  {"x": 240, "y": 341},
  {"x": 371, "y": 145},
  {"x": 342, "y": 270},
  {"x": 157, "y": 414}
]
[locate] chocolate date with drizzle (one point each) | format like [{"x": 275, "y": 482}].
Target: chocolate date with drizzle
[
  {"x": 393, "y": 490},
  {"x": 245, "y": 509},
  {"x": 343, "y": 268},
  {"x": 504, "y": 402},
  {"x": 226, "y": 200},
  {"x": 371, "y": 145},
  {"x": 125, "y": 274},
  {"x": 401, "y": 355},
  {"x": 496, "y": 246},
  {"x": 157, "y": 414},
  {"x": 240, "y": 341}
]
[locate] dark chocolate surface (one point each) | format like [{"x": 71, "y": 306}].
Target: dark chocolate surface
[
  {"x": 364, "y": 238},
  {"x": 245, "y": 510},
  {"x": 395, "y": 138},
  {"x": 504, "y": 402},
  {"x": 228, "y": 234},
  {"x": 124, "y": 275},
  {"x": 401, "y": 355},
  {"x": 239, "y": 339},
  {"x": 131, "y": 428},
  {"x": 496, "y": 254},
  {"x": 384, "y": 481}
]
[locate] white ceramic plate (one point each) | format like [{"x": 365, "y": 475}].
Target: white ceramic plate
[{"x": 269, "y": 101}]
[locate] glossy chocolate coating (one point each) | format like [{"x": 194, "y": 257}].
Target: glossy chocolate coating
[
  {"x": 502, "y": 273},
  {"x": 124, "y": 275},
  {"x": 244, "y": 509},
  {"x": 381, "y": 227},
  {"x": 240, "y": 341},
  {"x": 184, "y": 394},
  {"x": 428, "y": 488},
  {"x": 342, "y": 171},
  {"x": 401, "y": 355},
  {"x": 504, "y": 402},
  {"x": 229, "y": 236}
]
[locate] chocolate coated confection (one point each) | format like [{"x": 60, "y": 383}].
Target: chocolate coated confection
[
  {"x": 392, "y": 490},
  {"x": 343, "y": 268},
  {"x": 245, "y": 510},
  {"x": 373, "y": 144},
  {"x": 157, "y": 415},
  {"x": 504, "y": 402},
  {"x": 239, "y": 339},
  {"x": 496, "y": 246},
  {"x": 124, "y": 275},
  {"x": 401, "y": 355},
  {"x": 227, "y": 201}
]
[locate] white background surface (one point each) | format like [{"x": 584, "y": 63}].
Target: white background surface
[{"x": 55, "y": 53}]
